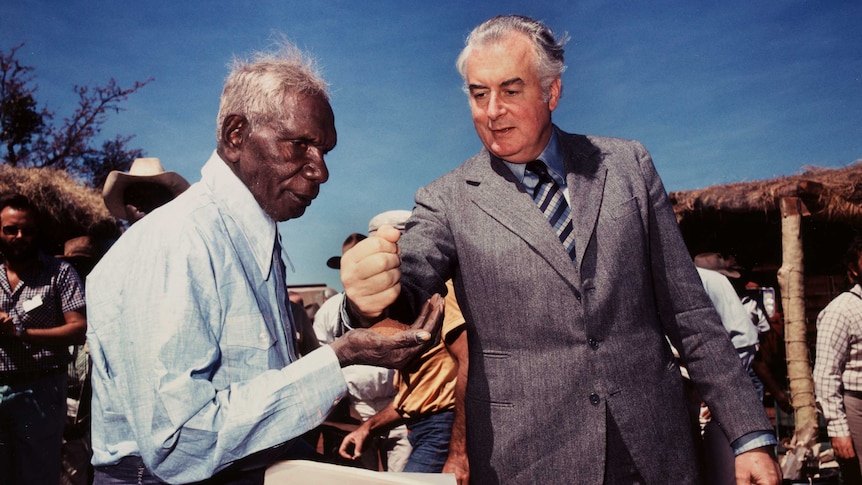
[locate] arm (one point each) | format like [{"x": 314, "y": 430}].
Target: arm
[
  {"x": 769, "y": 382},
  {"x": 386, "y": 418},
  {"x": 694, "y": 328},
  {"x": 69, "y": 303},
  {"x": 72, "y": 332},
  {"x": 457, "y": 461}
]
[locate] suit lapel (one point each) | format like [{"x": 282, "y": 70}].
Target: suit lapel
[
  {"x": 496, "y": 191},
  {"x": 585, "y": 178}
]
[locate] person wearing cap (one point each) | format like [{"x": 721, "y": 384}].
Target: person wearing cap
[
  {"x": 145, "y": 187},
  {"x": 196, "y": 374},
  {"x": 430, "y": 393},
  {"x": 568, "y": 263},
  {"x": 82, "y": 253},
  {"x": 42, "y": 313},
  {"x": 714, "y": 270},
  {"x": 716, "y": 453},
  {"x": 370, "y": 388}
]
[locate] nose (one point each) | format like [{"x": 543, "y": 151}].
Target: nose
[
  {"x": 496, "y": 107},
  {"x": 316, "y": 170}
]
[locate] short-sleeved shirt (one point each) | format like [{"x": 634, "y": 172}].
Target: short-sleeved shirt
[
  {"x": 428, "y": 386},
  {"x": 46, "y": 291}
]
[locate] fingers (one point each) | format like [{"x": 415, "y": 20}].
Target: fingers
[
  {"x": 426, "y": 328},
  {"x": 430, "y": 317},
  {"x": 388, "y": 233},
  {"x": 432, "y": 312},
  {"x": 346, "y": 443},
  {"x": 370, "y": 272}
]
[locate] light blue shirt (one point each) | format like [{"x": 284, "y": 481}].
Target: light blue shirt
[
  {"x": 192, "y": 366},
  {"x": 553, "y": 158}
]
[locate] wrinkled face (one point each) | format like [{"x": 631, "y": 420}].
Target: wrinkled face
[
  {"x": 509, "y": 114},
  {"x": 17, "y": 234},
  {"x": 281, "y": 162}
]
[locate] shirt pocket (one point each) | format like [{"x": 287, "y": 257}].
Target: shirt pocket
[{"x": 246, "y": 345}]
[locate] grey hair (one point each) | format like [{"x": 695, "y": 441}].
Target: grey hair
[
  {"x": 548, "y": 48},
  {"x": 258, "y": 88}
]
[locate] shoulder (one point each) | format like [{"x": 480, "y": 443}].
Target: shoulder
[
  {"x": 852, "y": 297},
  {"x": 605, "y": 144},
  {"x": 845, "y": 305},
  {"x": 55, "y": 268}
]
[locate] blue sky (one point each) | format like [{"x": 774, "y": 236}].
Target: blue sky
[{"x": 717, "y": 91}]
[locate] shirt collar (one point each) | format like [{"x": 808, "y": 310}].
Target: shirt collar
[
  {"x": 239, "y": 204},
  {"x": 551, "y": 155}
]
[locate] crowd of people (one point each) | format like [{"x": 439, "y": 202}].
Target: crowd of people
[{"x": 519, "y": 325}]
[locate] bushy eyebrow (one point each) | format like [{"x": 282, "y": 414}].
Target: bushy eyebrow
[{"x": 505, "y": 84}]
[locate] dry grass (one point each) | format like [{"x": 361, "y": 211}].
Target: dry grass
[
  {"x": 69, "y": 209},
  {"x": 830, "y": 194}
]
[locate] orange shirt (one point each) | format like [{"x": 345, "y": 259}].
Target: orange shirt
[{"x": 428, "y": 385}]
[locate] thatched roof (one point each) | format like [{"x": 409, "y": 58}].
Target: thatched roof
[
  {"x": 830, "y": 194},
  {"x": 68, "y": 208},
  {"x": 744, "y": 218}
]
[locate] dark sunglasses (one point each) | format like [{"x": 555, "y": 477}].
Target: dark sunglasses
[{"x": 14, "y": 230}]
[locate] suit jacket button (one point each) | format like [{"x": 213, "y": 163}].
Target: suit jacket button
[
  {"x": 593, "y": 343},
  {"x": 594, "y": 399}
]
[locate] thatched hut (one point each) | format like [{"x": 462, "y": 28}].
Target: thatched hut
[
  {"x": 68, "y": 208},
  {"x": 790, "y": 233},
  {"x": 744, "y": 219}
]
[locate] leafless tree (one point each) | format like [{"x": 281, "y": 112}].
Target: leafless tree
[{"x": 31, "y": 138}]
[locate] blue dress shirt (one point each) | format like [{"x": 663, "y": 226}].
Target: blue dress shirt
[{"x": 192, "y": 366}]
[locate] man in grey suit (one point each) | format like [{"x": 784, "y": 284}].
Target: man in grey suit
[{"x": 571, "y": 378}]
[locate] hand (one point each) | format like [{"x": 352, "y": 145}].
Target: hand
[
  {"x": 458, "y": 464},
  {"x": 365, "y": 346},
  {"x": 357, "y": 439},
  {"x": 783, "y": 402},
  {"x": 371, "y": 274},
  {"x": 843, "y": 447},
  {"x": 7, "y": 326},
  {"x": 757, "y": 466}
]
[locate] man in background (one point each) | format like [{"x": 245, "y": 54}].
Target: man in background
[
  {"x": 717, "y": 458},
  {"x": 430, "y": 394},
  {"x": 41, "y": 315},
  {"x": 838, "y": 368},
  {"x": 146, "y": 187},
  {"x": 371, "y": 388}
]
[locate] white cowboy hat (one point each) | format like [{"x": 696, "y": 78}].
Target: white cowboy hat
[{"x": 142, "y": 170}]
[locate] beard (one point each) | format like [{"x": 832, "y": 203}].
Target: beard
[{"x": 18, "y": 253}]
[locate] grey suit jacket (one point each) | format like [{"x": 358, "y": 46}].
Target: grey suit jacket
[{"x": 556, "y": 347}]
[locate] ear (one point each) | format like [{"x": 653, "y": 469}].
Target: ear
[
  {"x": 554, "y": 93},
  {"x": 234, "y": 130}
]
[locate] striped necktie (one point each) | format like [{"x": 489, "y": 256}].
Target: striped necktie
[{"x": 549, "y": 197}]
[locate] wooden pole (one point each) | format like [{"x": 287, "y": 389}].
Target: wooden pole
[{"x": 791, "y": 282}]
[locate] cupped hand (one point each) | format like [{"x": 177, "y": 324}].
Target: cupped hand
[{"x": 365, "y": 346}]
